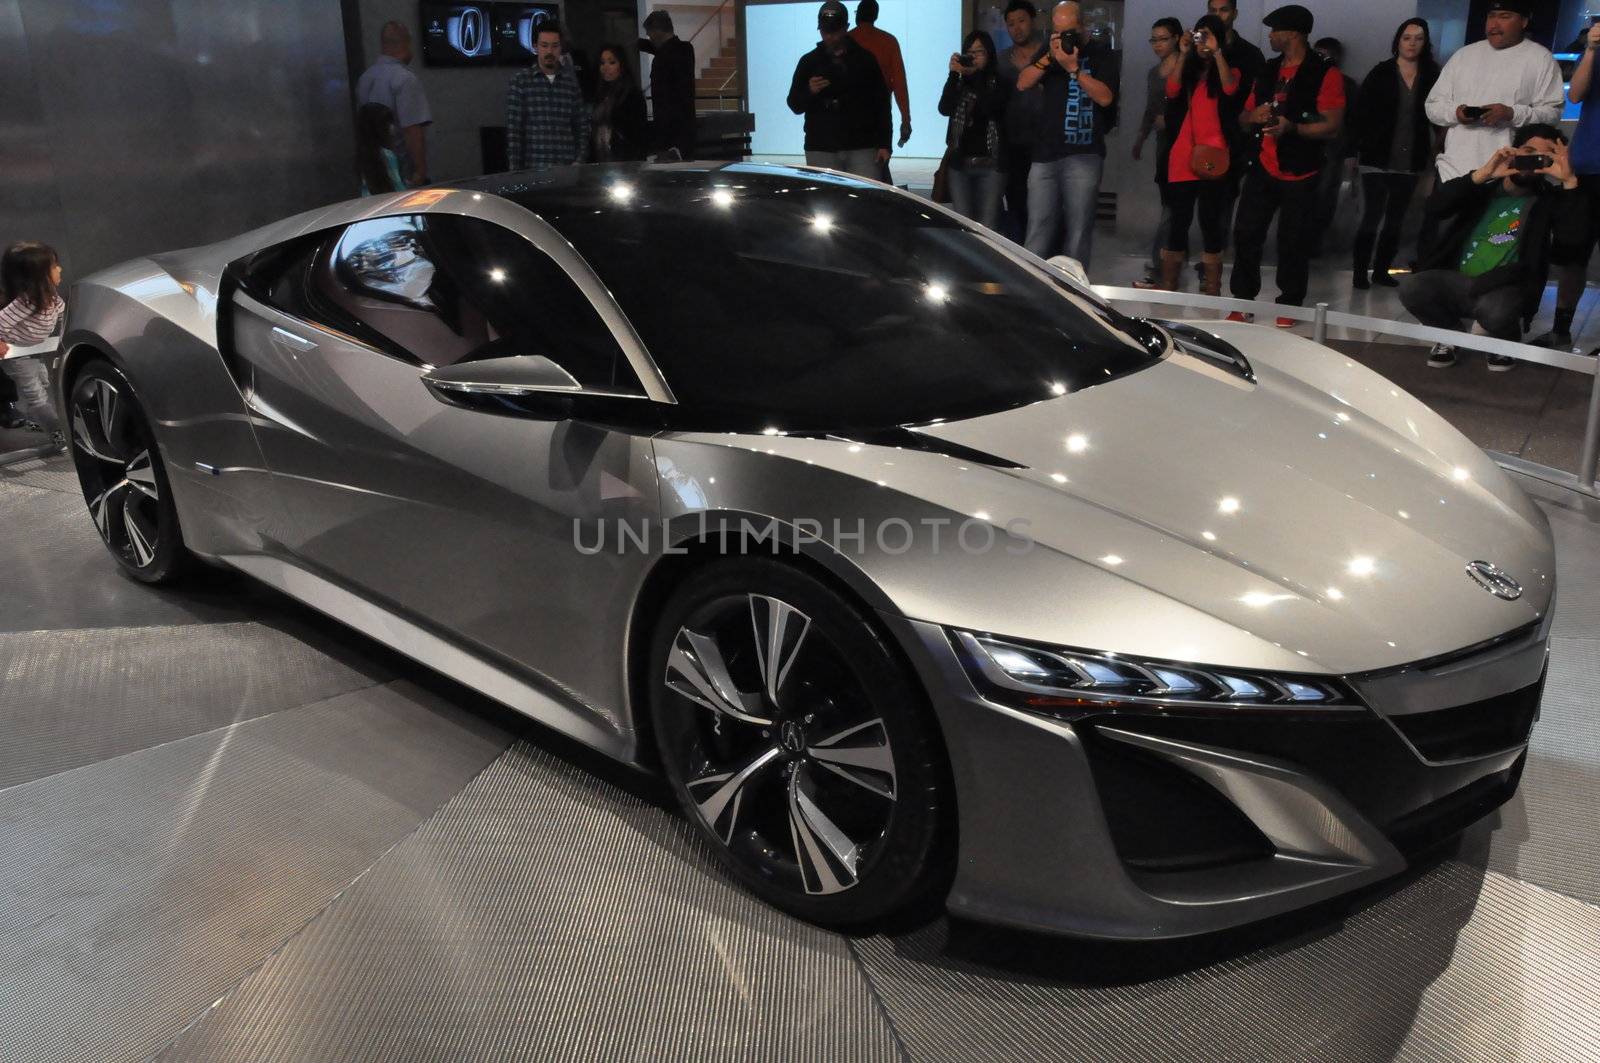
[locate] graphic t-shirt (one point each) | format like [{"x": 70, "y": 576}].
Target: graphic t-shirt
[
  {"x": 1496, "y": 238},
  {"x": 1330, "y": 95},
  {"x": 1070, "y": 123}
]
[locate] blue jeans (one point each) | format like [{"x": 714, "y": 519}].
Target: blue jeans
[
  {"x": 32, "y": 378},
  {"x": 863, "y": 162},
  {"x": 1062, "y": 197},
  {"x": 976, "y": 193}
]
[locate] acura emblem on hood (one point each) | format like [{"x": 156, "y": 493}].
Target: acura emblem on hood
[{"x": 1492, "y": 579}]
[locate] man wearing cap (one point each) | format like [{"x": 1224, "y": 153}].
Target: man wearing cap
[
  {"x": 1078, "y": 80},
  {"x": 1295, "y": 108},
  {"x": 886, "y": 50},
  {"x": 839, "y": 87},
  {"x": 1490, "y": 88},
  {"x": 672, "y": 74}
]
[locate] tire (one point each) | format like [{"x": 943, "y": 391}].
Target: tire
[
  {"x": 820, "y": 780},
  {"x": 123, "y": 478}
]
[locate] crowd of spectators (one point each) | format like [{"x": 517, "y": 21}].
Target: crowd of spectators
[
  {"x": 1241, "y": 138},
  {"x": 550, "y": 118}
]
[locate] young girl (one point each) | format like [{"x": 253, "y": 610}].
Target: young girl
[{"x": 30, "y": 274}]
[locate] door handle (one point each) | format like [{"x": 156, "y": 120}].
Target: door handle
[{"x": 289, "y": 339}]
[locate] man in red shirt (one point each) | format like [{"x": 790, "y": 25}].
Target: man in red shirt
[
  {"x": 1295, "y": 108},
  {"x": 886, "y": 50}
]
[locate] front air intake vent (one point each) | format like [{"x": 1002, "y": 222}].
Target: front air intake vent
[{"x": 1480, "y": 729}]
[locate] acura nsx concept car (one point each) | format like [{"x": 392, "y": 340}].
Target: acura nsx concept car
[{"x": 920, "y": 573}]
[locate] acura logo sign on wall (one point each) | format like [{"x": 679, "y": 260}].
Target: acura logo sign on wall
[{"x": 1492, "y": 579}]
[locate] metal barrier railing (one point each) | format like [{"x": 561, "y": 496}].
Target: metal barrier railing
[
  {"x": 1322, "y": 318},
  {"x": 38, "y": 350}
]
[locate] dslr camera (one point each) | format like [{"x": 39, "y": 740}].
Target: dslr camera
[{"x": 1069, "y": 40}]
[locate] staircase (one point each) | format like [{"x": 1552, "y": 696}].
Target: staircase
[{"x": 711, "y": 27}]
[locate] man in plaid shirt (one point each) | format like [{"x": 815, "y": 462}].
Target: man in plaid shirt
[{"x": 547, "y": 122}]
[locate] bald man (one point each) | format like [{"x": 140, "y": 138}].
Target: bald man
[
  {"x": 1078, "y": 90},
  {"x": 389, "y": 81}
]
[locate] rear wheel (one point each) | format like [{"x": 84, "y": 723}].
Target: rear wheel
[
  {"x": 120, "y": 471},
  {"x": 798, "y": 743}
]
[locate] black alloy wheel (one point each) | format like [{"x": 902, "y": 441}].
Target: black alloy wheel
[
  {"x": 119, "y": 469},
  {"x": 799, "y": 744}
]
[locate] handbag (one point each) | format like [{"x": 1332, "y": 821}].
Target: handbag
[
  {"x": 1208, "y": 162},
  {"x": 941, "y": 179}
]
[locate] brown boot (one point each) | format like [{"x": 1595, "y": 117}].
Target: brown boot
[
  {"x": 1171, "y": 270},
  {"x": 1210, "y": 274}
]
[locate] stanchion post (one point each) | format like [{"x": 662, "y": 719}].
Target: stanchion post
[
  {"x": 1591, "y": 439},
  {"x": 1319, "y": 324}
]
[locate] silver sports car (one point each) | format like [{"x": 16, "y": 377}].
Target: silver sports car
[{"x": 922, "y": 575}]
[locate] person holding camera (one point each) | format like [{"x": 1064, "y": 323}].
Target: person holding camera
[
  {"x": 1490, "y": 88},
  {"x": 1501, "y": 223},
  {"x": 1198, "y": 162},
  {"x": 1295, "y": 108},
  {"x": 839, "y": 87},
  {"x": 1571, "y": 263},
  {"x": 1078, "y": 82},
  {"x": 974, "y": 100}
]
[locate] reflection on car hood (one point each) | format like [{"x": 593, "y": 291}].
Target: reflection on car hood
[{"x": 1318, "y": 508}]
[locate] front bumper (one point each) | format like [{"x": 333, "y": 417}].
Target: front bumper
[{"x": 1151, "y": 824}]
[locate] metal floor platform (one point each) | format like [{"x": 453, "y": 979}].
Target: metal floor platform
[{"x": 230, "y": 830}]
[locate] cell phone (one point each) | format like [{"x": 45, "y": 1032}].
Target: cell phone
[
  {"x": 968, "y": 61},
  {"x": 1472, "y": 114},
  {"x": 1531, "y": 162}
]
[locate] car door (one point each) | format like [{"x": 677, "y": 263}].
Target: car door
[{"x": 463, "y": 518}]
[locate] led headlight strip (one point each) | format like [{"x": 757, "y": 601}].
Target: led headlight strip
[{"x": 1058, "y": 677}]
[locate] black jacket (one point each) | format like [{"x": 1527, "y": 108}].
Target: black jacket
[
  {"x": 853, "y": 111},
  {"x": 672, "y": 76},
  {"x": 984, "y": 132},
  {"x": 1558, "y": 215},
  {"x": 1296, "y": 155},
  {"x": 1373, "y": 120},
  {"x": 1247, "y": 59},
  {"x": 628, "y": 125}
]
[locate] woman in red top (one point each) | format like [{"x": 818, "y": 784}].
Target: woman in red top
[{"x": 1194, "y": 92}]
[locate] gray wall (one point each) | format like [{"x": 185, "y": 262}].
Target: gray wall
[{"x": 131, "y": 127}]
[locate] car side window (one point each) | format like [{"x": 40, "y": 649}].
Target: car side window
[{"x": 441, "y": 289}]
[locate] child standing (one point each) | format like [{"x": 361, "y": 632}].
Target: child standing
[{"x": 30, "y": 307}]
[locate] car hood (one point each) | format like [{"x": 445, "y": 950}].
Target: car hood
[
  {"x": 1317, "y": 518},
  {"x": 1319, "y": 507}
]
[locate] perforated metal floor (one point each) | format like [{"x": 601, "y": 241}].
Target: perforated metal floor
[{"x": 232, "y": 831}]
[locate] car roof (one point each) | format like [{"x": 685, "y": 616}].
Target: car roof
[{"x": 566, "y": 186}]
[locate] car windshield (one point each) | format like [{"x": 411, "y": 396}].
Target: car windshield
[{"x": 801, "y": 301}]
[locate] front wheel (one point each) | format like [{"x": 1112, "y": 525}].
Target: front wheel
[
  {"x": 120, "y": 471},
  {"x": 799, "y": 745}
]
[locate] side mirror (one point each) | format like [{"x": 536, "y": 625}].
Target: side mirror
[
  {"x": 534, "y": 387},
  {"x": 524, "y": 375},
  {"x": 1072, "y": 269}
]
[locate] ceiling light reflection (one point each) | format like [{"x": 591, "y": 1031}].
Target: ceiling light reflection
[
  {"x": 1077, "y": 443},
  {"x": 1228, "y": 505},
  {"x": 1361, "y": 566}
]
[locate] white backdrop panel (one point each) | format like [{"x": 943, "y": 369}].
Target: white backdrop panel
[{"x": 778, "y": 34}]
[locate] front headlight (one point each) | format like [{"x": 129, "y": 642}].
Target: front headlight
[{"x": 1059, "y": 678}]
